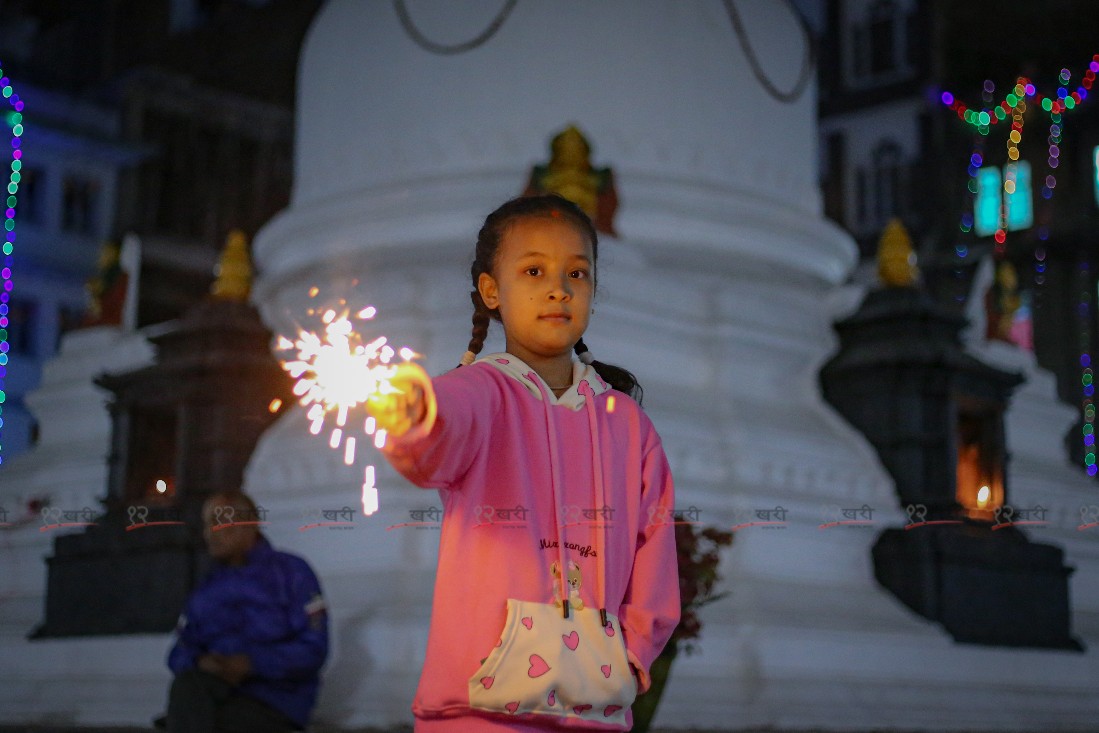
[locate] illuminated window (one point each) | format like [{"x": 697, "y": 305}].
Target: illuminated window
[
  {"x": 989, "y": 202},
  {"x": 1007, "y": 196},
  {"x": 1095, "y": 171},
  {"x": 1018, "y": 204}
]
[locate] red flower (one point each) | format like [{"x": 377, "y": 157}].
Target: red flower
[{"x": 698, "y": 556}]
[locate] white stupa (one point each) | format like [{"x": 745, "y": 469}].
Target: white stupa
[
  {"x": 716, "y": 294},
  {"x": 719, "y": 294}
]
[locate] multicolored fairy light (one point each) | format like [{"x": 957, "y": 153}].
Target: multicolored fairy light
[
  {"x": 1055, "y": 104},
  {"x": 1087, "y": 378},
  {"x": 1013, "y": 106},
  {"x": 14, "y": 121},
  {"x": 1013, "y": 199},
  {"x": 337, "y": 370}
]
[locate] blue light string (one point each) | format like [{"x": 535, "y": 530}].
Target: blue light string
[{"x": 13, "y": 119}]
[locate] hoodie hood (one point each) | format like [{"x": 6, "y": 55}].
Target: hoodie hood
[{"x": 573, "y": 397}]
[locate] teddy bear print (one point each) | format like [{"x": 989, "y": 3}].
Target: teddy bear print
[{"x": 574, "y": 582}]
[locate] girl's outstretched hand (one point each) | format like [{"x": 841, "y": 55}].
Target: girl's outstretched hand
[{"x": 400, "y": 411}]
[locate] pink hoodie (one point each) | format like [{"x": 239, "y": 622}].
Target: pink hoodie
[{"x": 489, "y": 450}]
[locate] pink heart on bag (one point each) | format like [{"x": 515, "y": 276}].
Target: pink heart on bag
[
  {"x": 538, "y": 666},
  {"x": 511, "y": 707},
  {"x": 486, "y": 682},
  {"x": 552, "y": 699},
  {"x": 608, "y": 630},
  {"x": 611, "y": 710},
  {"x": 528, "y": 622},
  {"x": 606, "y": 670},
  {"x": 571, "y": 640},
  {"x": 581, "y": 709},
  {"x": 502, "y": 361}
]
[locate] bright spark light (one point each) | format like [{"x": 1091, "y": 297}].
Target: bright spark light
[
  {"x": 337, "y": 369},
  {"x": 370, "y": 493}
]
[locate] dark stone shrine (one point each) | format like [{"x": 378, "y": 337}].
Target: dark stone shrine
[
  {"x": 182, "y": 429},
  {"x": 935, "y": 416}
]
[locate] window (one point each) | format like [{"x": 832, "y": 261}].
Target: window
[
  {"x": 23, "y": 316},
  {"x": 880, "y": 43},
  {"x": 861, "y": 53},
  {"x": 79, "y": 200},
  {"x": 69, "y": 318},
  {"x": 889, "y": 194},
  {"x": 1005, "y": 200},
  {"x": 861, "y": 196},
  {"x": 1095, "y": 171},
  {"x": 882, "y": 31},
  {"x": 834, "y": 178},
  {"x": 989, "y": 202},
  {"x": 1018, "y": 204},
  {"x": 28, "y": 201}
]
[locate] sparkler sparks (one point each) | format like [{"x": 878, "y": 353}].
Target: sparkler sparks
[{"x": 337, "y": 370}]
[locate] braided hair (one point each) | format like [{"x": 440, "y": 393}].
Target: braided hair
[{"x": 488, "y": 244}]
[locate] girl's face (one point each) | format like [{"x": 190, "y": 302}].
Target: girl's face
[{"x": 542, "y": 281}]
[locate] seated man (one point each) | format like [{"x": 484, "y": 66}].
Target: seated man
[{"x": 253, "y": 636}]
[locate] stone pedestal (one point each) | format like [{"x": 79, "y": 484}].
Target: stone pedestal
[{"x": 188, "y": 421}]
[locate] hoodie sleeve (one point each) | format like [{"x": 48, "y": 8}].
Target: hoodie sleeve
[
  {"x": 650, "y": 608},
  {"x": 437, "y": 453}
]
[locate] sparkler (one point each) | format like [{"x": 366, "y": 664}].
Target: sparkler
[{"x": 337, "y": 370}]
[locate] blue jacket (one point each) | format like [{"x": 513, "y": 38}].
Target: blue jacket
[{"x": 271, "y": 609}]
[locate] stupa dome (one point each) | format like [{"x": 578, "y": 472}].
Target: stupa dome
[
  {"x": 389, "y": 130},
  {"x": 660, "y": 87}
]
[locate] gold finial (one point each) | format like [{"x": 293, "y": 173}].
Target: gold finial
[
  {"x": 896, "y": 258},
  {"x": 234, "y": 269},
  {"x": 569, "y": 172}
]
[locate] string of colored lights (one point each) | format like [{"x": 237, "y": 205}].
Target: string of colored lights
[
  {"x": 1014, "y": 103},
  {"x": 14, "y": 120},
  {"x": 1064, "y": 100},
  {"x": 1056, "y": 106},
  {"x": 1088, "y": 376}
]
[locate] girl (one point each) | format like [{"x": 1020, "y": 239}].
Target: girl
[{"x": 557, "y": 583}]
